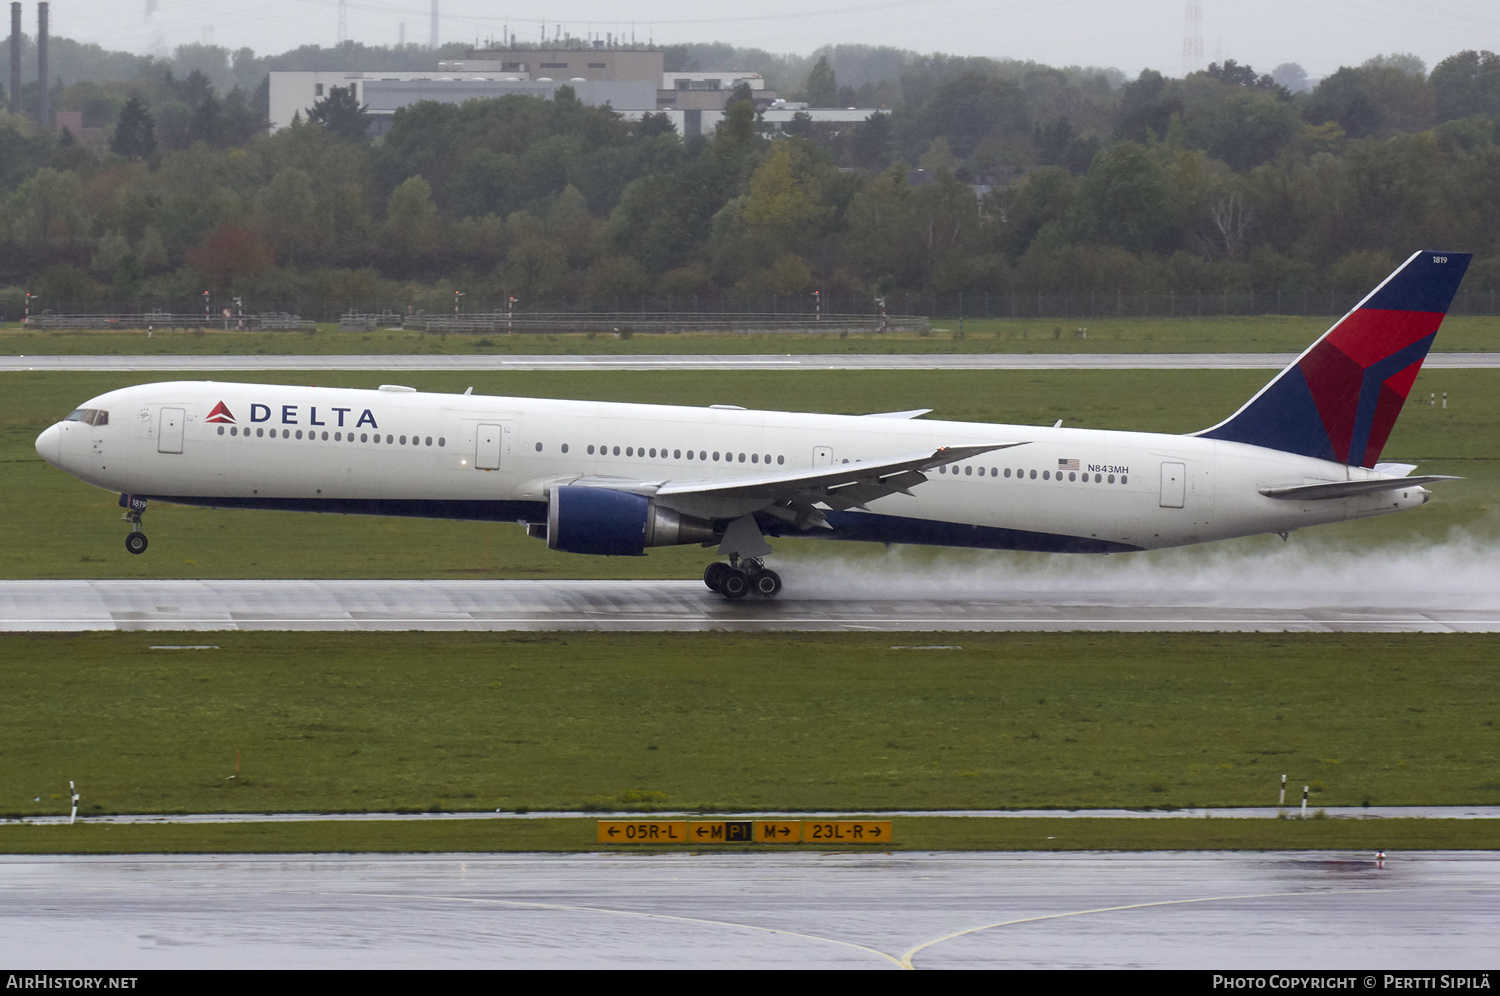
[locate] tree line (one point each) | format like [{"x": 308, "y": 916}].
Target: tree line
[{"x": 974, "y": 176}]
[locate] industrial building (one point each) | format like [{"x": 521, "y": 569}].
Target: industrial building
[{"x": 631, "y": 82}]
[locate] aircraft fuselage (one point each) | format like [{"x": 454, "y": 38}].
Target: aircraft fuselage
[{"x": 402, "y": 452}]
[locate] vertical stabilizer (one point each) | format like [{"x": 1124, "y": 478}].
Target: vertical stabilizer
[{"x": 1339, "y": 400}]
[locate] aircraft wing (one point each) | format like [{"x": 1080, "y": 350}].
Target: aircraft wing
[{"x": 794, "y": 494}]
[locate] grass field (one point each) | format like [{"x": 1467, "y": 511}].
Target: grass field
[
  {"x": 62, "y": 528},
  {"x": 385, "y": 722},
  {"x": 922, "y": 833},
  {"x": 376, "y": 722},
  {"x": 1130, "y": 335}
]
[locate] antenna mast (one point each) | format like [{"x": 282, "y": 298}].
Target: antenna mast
[{"x": 1192, "y": 37}]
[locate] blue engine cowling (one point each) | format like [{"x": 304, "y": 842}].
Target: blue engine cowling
[{"x": 613, "y": 523}]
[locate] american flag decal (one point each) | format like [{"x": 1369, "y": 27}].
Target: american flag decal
[{"x": 1067, "y": 465}]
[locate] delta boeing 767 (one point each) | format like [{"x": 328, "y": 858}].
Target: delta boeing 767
[{"x": 614, "y": 479}]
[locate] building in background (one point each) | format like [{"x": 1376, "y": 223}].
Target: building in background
[{"x": 629, "y": 81}]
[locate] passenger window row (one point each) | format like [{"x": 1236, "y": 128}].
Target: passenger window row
[
  {"x": 1021, "y": 474},
  {"x": 389, "y": 439},
  {"x": 662, "y": 453}
]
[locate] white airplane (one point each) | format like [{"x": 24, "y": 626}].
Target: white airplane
[{"x": 603, "y": 478}]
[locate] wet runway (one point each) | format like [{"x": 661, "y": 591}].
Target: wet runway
[
  {"x": 1214, "y": 911},
  {"x": 625, "y": 606},
  {"x": 685, "y": 361}
]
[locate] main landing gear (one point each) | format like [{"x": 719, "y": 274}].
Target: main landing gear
[{"x": 740, "y": 577}]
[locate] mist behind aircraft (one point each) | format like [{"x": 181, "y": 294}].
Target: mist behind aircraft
[{"x": 1462, "y": 572}]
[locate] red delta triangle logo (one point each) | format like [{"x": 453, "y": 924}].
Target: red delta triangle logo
[{"x": 221, "y": 413}]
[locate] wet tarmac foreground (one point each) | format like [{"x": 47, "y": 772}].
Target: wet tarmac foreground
[{"x": 1215, "y": 912}]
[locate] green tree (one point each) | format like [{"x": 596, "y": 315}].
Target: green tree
[
  {"x": 207, "y": 124},
  {"x": 135, "y": 131},
  {"x": 1125, "y": 199},
  {"x": 342, "y": 113},
  {"x": 970, "y": 108},
  {"x": 1245, "y": 127},
  {"x": 1345, "y": 98},
  {"x": 129, "y": 276},
  {"x": 290, "y": 215},
  {"x": 822, "y": 85},
  {"x": 48, "y": 208},
  {"x": 1467, "y": 84},
  {"x": 1146, "y": 107},
  {"x": 872, "y": 142},
  {"x": 738, "y": 125},
  {"x": 411, "y": 217}
]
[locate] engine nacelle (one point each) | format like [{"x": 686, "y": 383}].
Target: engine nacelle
[{"x": 616, "y": 523}]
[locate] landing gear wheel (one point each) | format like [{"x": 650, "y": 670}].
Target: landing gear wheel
[
  {"x": 135, "y": 542},
  {"x": 767, "y": 583},
  {"x": 734, "y": 585},
  {"x": 714, "y": 574}
]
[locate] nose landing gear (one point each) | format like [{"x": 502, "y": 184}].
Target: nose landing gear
[
  {"x": 740, "y": 577},
  {"x": 135, "y": 540}
]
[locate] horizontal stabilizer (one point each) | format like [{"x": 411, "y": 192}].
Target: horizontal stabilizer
[
  {"x": 1351, "y": 489},
  {"x": 914, "y": 413}
]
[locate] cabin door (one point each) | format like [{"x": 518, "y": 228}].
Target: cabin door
[
  {"x": 169, "y": 431},
  {"x": 491, "y": 444},
  {"x": 1173, "y": 485}
]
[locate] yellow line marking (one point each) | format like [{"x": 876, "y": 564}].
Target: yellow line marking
[{"x": 650, "y": 916}]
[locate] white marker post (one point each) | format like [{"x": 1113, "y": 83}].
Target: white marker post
[
  {"x": 1304, "y": 802},
  {"x": 1281, "y": 799},
  {"x": 73, "y": 816}
]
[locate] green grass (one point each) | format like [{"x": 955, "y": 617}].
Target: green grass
[
  {"x": 62, "y": 528},
  {"x": 744, "y": 722},
  {"x": 1131, "y": 335},
  {"x": 931, "y": 833}
]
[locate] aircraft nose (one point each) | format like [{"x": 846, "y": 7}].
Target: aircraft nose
[{"x": 49, "y": 444}]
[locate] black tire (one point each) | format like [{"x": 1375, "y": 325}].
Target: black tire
[
  {"x": 768, "y": 583},
  {"x": 734, "y": 585},
  {"x": 713, "y": 575},
  {"x": 135, "y": 542}
]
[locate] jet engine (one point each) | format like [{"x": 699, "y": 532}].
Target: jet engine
[{"x": 616, "y": 523}]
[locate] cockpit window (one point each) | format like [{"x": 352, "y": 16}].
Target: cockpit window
[{"x": 93, "y": 416}]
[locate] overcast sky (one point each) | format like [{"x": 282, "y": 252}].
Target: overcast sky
[{"x": 1126, "y": 34}]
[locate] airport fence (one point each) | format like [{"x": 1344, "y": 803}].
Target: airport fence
[
  {"x": 259, "y": 322},
  {"x": 903, "y": 311},
  {"x": 630, "y": 322}
]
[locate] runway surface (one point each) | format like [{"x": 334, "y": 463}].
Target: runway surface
[
  {"x": 1217, "y": 911},
  {"x": 832, "y": 361},
  {"x": 625, "y": 606}
]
